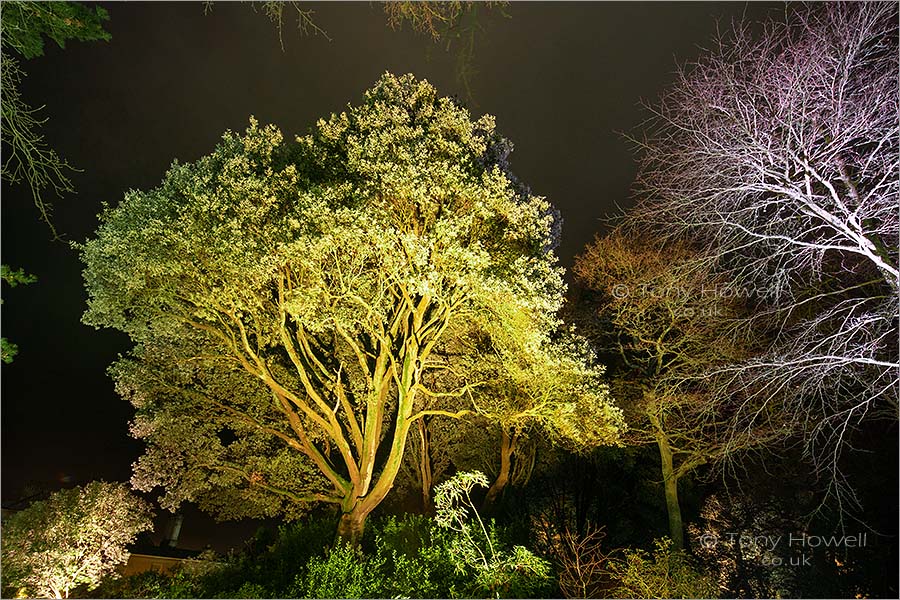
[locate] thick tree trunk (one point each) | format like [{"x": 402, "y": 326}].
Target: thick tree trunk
[
  {"x": 507, "y": 448},
  {"x": 670, "y": 484},
  {"x": 351, "y": 527}
]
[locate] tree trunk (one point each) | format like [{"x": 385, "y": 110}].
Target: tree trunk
[
  {"x": 670, "y": 484},
  {"x": 507, "y": 448},
  {"x": 351, "y": 527},
  {"x": 425, "y": 474}
]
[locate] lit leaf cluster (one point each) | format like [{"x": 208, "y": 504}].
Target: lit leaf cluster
[
  {"x": 557, "y": 387},
  {"x": 75, "y": 537}
]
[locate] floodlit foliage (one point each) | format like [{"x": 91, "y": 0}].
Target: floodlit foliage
[
  {"x": 289, "y": 301},
  {"x": 75, "y": 537},
  {"x": 557, "y": 392},
  {"x": 512, "y": 573},
  {"x": 664, "y": 573},
  {"x": 554, "y": 390},
  {"x": 779, "y": 153}
]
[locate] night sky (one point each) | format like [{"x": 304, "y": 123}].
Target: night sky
[{"x": 564, "y": 80}]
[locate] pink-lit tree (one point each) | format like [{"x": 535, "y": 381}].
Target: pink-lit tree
[{"x": 778, "y": 151}]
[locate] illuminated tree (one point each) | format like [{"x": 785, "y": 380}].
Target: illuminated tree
[
  {"x": 288, "y": 301},
  {"x": 23, "y": 25},
  {"x": 553, "y": 389},
  {"x": 556, "y": 391},
  {"x": 75, "y": 537},
  {"x": 670, "y": 322},
  {"x": 778, "y": 152}
]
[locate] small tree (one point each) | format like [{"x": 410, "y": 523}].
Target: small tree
[
  {"x": 557, "y": 391},
  {"x": 75, "y": 537},
  {"x": 668, "y": 321},
  {"x": 667, "y": 572},
  {"x": 551, "y": 388}
]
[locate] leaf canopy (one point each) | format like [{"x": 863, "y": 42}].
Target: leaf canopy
[{"x": 296, "y": 294}]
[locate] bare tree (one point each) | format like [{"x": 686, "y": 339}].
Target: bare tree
[
  {"x": 779, "y": 152},
  {"x": 665, "y": 321}
]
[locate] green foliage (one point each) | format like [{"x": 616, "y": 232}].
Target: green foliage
[
  {"x": 419, "y": 550},
  {"x": 344, "y": 572},
  {"x": 149, "y": 584},
  {"x": 12, "y": 278},
  {"x": 8, "y": 350},
  {"x": 75, "y": 537},
  {"x": 250, "y": 590},
  {"x": 267, "y": 567},
  {"x": 478, "y": 551},
  {"x": 15, "y": 277},
  {"x": 666, "y": 573},
  {"x": 554, "y": 386},
  {"x": 289, "y": 301},
  {"x": 25, "y": 24},
  {"x": 407, "y": 557}
]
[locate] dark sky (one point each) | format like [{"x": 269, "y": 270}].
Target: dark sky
[{"x": 563, "y": 80}]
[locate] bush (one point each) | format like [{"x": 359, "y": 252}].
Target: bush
[
  {"x": 419, "y": 553},
  {"x": 406, "y": 557},
  {"x": 344, "y": 572},
  {"x": 666, "y": 573},
  {"x": 409, "y": 556}
]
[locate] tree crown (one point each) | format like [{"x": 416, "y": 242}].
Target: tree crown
[{"x": 296, "y": 295}]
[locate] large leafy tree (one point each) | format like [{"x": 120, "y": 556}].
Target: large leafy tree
[
  {"x": 75, "y": 537},
  {"x": 288, "y": 301}
]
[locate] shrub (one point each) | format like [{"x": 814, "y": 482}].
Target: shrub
[
  {"x": 344, "y": 572},
  {"x": 666, "y": 573},
  {"x": 418, "y": 552}
]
